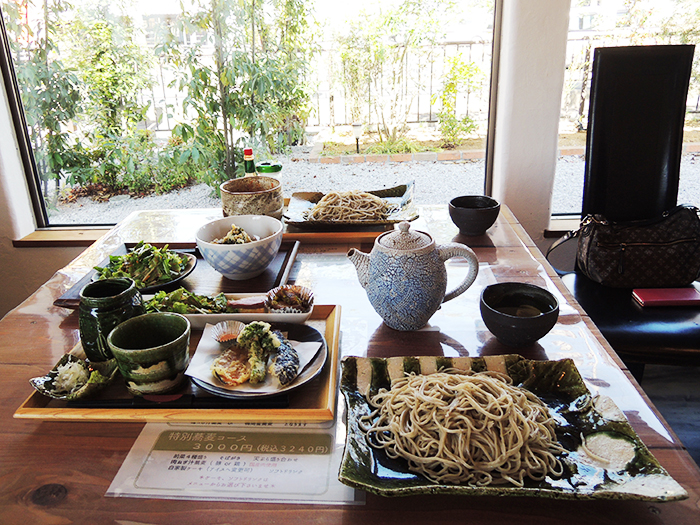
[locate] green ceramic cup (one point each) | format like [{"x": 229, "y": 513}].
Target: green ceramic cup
[
  {"x": 152, "y": 352},
  {"x": 103, "y": 305}
]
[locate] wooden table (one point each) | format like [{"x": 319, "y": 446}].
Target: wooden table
[{"x": 58, "y": 472}]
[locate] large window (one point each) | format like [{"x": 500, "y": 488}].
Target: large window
[
  {"x": 132, "y": 102},
  {"x": 604, "y": 23}
]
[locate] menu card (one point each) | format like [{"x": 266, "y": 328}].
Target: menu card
[{"x": 254, "y": 462}]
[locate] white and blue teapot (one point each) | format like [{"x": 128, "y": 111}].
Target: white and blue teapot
[{"x": 405, "y": 276}]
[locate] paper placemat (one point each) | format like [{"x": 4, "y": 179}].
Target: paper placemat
[{"x": 232, "y": 462}]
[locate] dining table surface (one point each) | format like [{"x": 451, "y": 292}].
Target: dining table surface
[{"x": 57, "y": 471}]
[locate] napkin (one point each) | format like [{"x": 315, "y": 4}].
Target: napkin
[{"x": 209, "y": 349}]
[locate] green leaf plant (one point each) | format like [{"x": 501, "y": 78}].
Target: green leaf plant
[{"x": 457, "y": 77}]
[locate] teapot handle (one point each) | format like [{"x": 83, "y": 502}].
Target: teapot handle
[{"x": 452, "y": 249}]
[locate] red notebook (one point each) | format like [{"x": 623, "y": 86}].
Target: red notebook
[{"x": 688, "y": 295}]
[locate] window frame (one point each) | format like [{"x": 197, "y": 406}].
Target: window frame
[
  {"x": 28, "y": 160},
  {"x": 19, "y": 124}
]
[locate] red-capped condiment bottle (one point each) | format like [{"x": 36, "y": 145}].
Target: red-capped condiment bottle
[{"x": 249, "y": 162}]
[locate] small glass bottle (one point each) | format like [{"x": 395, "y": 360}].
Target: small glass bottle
[{"x": 249, "y": 162}]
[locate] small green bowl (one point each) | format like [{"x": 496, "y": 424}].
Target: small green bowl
[
  {"x": 266, "y": 167},
  {"x": 152, "y": 352}
]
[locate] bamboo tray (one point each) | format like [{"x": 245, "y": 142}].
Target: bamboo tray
[{"x": 312, "y": 402}]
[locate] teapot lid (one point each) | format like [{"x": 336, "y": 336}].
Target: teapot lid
[{"x": 403, "y": 239}]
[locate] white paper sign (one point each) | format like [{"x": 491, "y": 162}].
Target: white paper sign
[{"x": 235, "y": 462}]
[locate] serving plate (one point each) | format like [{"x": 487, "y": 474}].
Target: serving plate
[
  {"x": 209, "y": 349},
  {"x": 199, "y": 321},
  {"x": 557, "y": 383},
  {"x": 400, "y": 196},
  {"x": 191, "y": 263}
]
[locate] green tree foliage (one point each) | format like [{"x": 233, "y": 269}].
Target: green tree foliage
[
  {"x": 85, "y": 110},
  {"x": 251, "y": 92},
  {"x": 354, "y": 52},
  {"x": 375, "y": 52},
  {"x": 458, "y": 76},
  {"x": 49, "y": 89},
  {"x": 113, "y": 68}
]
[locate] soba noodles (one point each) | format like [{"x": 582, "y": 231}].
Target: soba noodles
[
  {"x": 349, "y": 206},
  {"x": 455, "y": 428}
]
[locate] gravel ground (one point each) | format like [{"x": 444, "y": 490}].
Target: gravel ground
[{"x": 435, "y": 182}]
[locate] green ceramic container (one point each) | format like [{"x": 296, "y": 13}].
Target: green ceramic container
[
  {"x": 266, "y": 167},
  {"x": 103, "y": 305},
  {"x": 152, "y": 351}
]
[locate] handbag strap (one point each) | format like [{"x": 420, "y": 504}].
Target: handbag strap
[
  {"x": 561, "y": 240},
  {"x": 573, "y": 234}
]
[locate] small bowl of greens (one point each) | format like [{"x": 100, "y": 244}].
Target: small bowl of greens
[{"x": 148, "y": 266}]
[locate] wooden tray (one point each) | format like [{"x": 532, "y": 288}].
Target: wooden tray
[
  {"x": 338, "y": 236},
  {"x": 205, "y": 280},
  {"x": 313, "y": 402}
]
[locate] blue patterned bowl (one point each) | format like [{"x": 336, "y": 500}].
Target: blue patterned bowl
[{"x": 241, "y": 261}]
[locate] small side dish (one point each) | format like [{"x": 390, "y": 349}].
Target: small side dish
[
  {"x": 240, "y": 261},
  {"x": 295, "y": 299},
  {"x": 289, "y": 299},
  {"x": 183, "y": 302},
  {"x": 147, "y": 265},
  {"x": 74, "y": 378}
]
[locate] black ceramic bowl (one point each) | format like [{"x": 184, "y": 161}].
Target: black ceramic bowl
[
  {"x": 474, "y": 214},
  {"x": 518, "y": 314}
]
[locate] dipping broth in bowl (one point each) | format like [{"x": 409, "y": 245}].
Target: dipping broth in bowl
[{"x": 518, "y": 314}]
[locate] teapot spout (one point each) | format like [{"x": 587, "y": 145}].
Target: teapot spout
[{"x": 361, "y": 262}]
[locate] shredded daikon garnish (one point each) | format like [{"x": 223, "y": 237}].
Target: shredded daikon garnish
[{"x": 70, "y": 377}]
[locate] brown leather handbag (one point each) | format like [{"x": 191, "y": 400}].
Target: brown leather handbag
[{"x": 663, "y": 252}]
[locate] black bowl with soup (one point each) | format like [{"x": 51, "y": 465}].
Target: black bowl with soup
[{"x": 518, "y": 314}]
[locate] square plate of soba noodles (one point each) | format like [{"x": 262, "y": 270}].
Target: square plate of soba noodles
[
  {"x": 493, "y": 426},
  {"x": 352, "y": 208}
]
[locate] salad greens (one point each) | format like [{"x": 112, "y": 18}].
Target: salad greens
[
  {"x": 145, "y": 264},
  {"x": 183, "y": 302}
]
